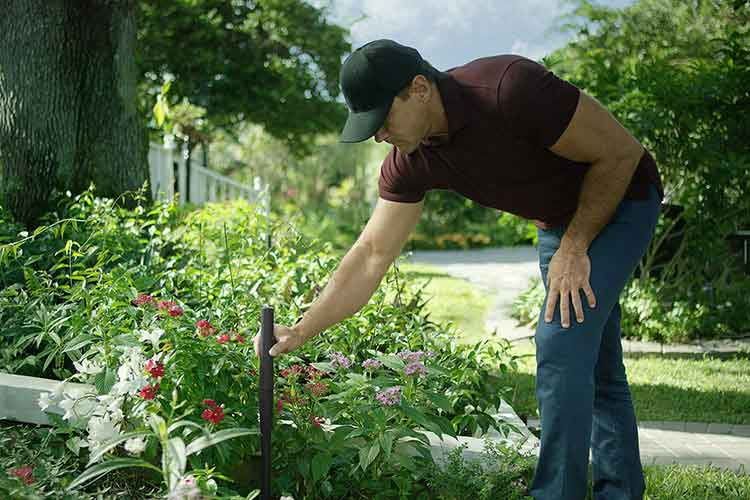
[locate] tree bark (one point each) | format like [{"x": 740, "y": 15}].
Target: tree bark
[{"x": 68, "y": 114}]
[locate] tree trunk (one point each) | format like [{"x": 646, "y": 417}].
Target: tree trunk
[{"x": 68, "y": 114}]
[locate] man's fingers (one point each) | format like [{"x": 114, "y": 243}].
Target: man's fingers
[
  {"x": 577, "y": 306},
  {"x": 551, "y": 302},
  {"x": 590, "y": 295},
  {"x": 565, "y": 308}
]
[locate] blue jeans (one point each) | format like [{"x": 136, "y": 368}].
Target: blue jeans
[{"x": 581, "y": 387}]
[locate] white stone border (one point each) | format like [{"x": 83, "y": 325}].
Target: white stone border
[{"x": 19, "y": 396}]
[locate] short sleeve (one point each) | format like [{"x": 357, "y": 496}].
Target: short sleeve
[
  {"x": 399, "y": 180},
  {"x": 535, "y": 103}
]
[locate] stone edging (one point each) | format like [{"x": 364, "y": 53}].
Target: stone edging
[{"x": 19, "y": 397}]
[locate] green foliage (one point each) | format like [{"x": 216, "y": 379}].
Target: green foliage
[
  {"x": 501, "y": 473},
  {"x": 272, "y": 62},
  {"x": 674, "y": 73},
  {"x": 649, "y": 314},
  {"x": 71, "y": 303}
]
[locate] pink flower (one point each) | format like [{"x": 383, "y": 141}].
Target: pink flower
[
  {"x": 390, "y": 396},
  {"x": 214, "y": 414},
  {"x": 154, "y": 368},
  {"x": 223, "y": 338},
  {"x": 205, "y": 328},
  {"x": 339, "y": 359},
  {"x": 24, "y": 473},
  {"x": 411, "y": 356},
  {"x": 316, "y": 421},
  {"x": 371, "y": 364},
  {"x": 149, "y": 392},
  {"x": 415, "y": 368},
  {"x": 142, "y": 299}
]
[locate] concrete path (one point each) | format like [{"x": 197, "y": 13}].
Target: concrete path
[
  {"x": 506, "y": 272},
  {"x": 502, "y": 272}
]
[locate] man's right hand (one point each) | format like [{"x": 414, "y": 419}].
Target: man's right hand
[{"x": 287, "y": 340}]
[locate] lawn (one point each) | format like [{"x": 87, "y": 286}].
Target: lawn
[{"x": 708, "y": 389}]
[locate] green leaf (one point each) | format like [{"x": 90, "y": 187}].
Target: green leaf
[
  {"x": 392, "y": 361},
  {"x": 108, "y": 445},
  {"x": 160, "y": 111},
  {"x": 104, "y": 380},
  {"x": 386, "y": 443},
  {"x": 218, "y": 437},
  {"x": 440, "y": 401},
  {"x": 176, "y": 460},
  {"x": 367, "y": 456},
  {"x": 321, "y": 463},
  {"x": 78, "y": 342},
  {"x": 108, "y": 466}
]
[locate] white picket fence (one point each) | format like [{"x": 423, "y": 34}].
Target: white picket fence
[{"x": 204, "y": 185}]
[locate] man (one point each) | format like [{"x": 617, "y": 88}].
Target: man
[{"x": 509, "y": 134}]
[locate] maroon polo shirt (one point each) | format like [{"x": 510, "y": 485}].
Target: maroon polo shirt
[{"x": 504, "y": 112}]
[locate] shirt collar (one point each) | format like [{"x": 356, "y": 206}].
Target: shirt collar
[{"x": 455, "y": 109}]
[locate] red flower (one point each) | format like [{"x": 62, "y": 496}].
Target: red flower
[
  {"x": 317, "y": 389},
  {"x": 223, "y": 338},
  {"x": 149, "y": 392},
  {"x": 294, "y": 370},
  {"x": 316, "y": 421},
  {"x": 279, "y": 405},
  {"x": 142, "y": 299},
  {"x": 205, "y": 328},
  {"x": 24, "y": 473},
  {"x": 155, "y": 368},
  {"x": 239, "y": 339},
  {"x": 313, "y": 372},
  {"x": 164, "y": 305},
  {"x": 214, "y": 415},
  {"x": 210, "y": 402},
  {"x": 175, "y": 311}
]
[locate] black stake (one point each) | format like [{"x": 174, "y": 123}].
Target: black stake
[{"x": 267, "y": 340}]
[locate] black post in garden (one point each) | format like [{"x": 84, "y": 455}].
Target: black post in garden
[{"x": 267, "y": 340}]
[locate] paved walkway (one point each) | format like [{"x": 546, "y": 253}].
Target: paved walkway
[{"x": 505, "y": 272}]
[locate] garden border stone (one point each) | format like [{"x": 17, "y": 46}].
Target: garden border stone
[{"x": 19, "y": 397}]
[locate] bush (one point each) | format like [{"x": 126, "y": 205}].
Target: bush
[{"x": 155, "y": 308}]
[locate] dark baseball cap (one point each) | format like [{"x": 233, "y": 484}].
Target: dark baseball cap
[{"x": 370, "y": 78}]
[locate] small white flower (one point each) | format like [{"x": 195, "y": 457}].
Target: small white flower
[
  {"x": 88, "y": 367},
  {"x": 44, "y": 401},
  {"x": 57, "y": 391},
  {"x": 185, "y": 489},
  {"x": 135, "y": 446},
  {"x": 102, "y": 429},
  {"x": 151, "y": 336}
]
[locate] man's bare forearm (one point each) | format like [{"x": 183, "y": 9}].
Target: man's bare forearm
[
  {"x": 604, "y": 186},
  {"x": 355, "y": 280}
]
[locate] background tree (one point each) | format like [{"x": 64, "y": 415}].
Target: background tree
[
  {"x": 271, "y": 62},
  {"x": 675, "y": 73},
  {"x": 68, "y": 114}
]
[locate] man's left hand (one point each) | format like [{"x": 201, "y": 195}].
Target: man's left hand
[{"x": 568, "y": 273}]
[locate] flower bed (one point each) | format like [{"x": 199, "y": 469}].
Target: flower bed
[{"x": 160, "y": 332}]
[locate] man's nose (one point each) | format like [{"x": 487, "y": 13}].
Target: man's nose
[{"x": 380, "y": 135}]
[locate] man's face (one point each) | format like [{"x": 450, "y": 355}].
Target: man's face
[{"x": 406, "y": 124}]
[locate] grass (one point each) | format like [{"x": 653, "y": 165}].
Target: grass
[
  {"x": 451, "y": 299},
  {"x": 698, "y": 390},
  {"x": 707, "y": 389}
]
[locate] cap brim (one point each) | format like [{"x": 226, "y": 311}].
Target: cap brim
[{"x": 363, "y": 125}]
